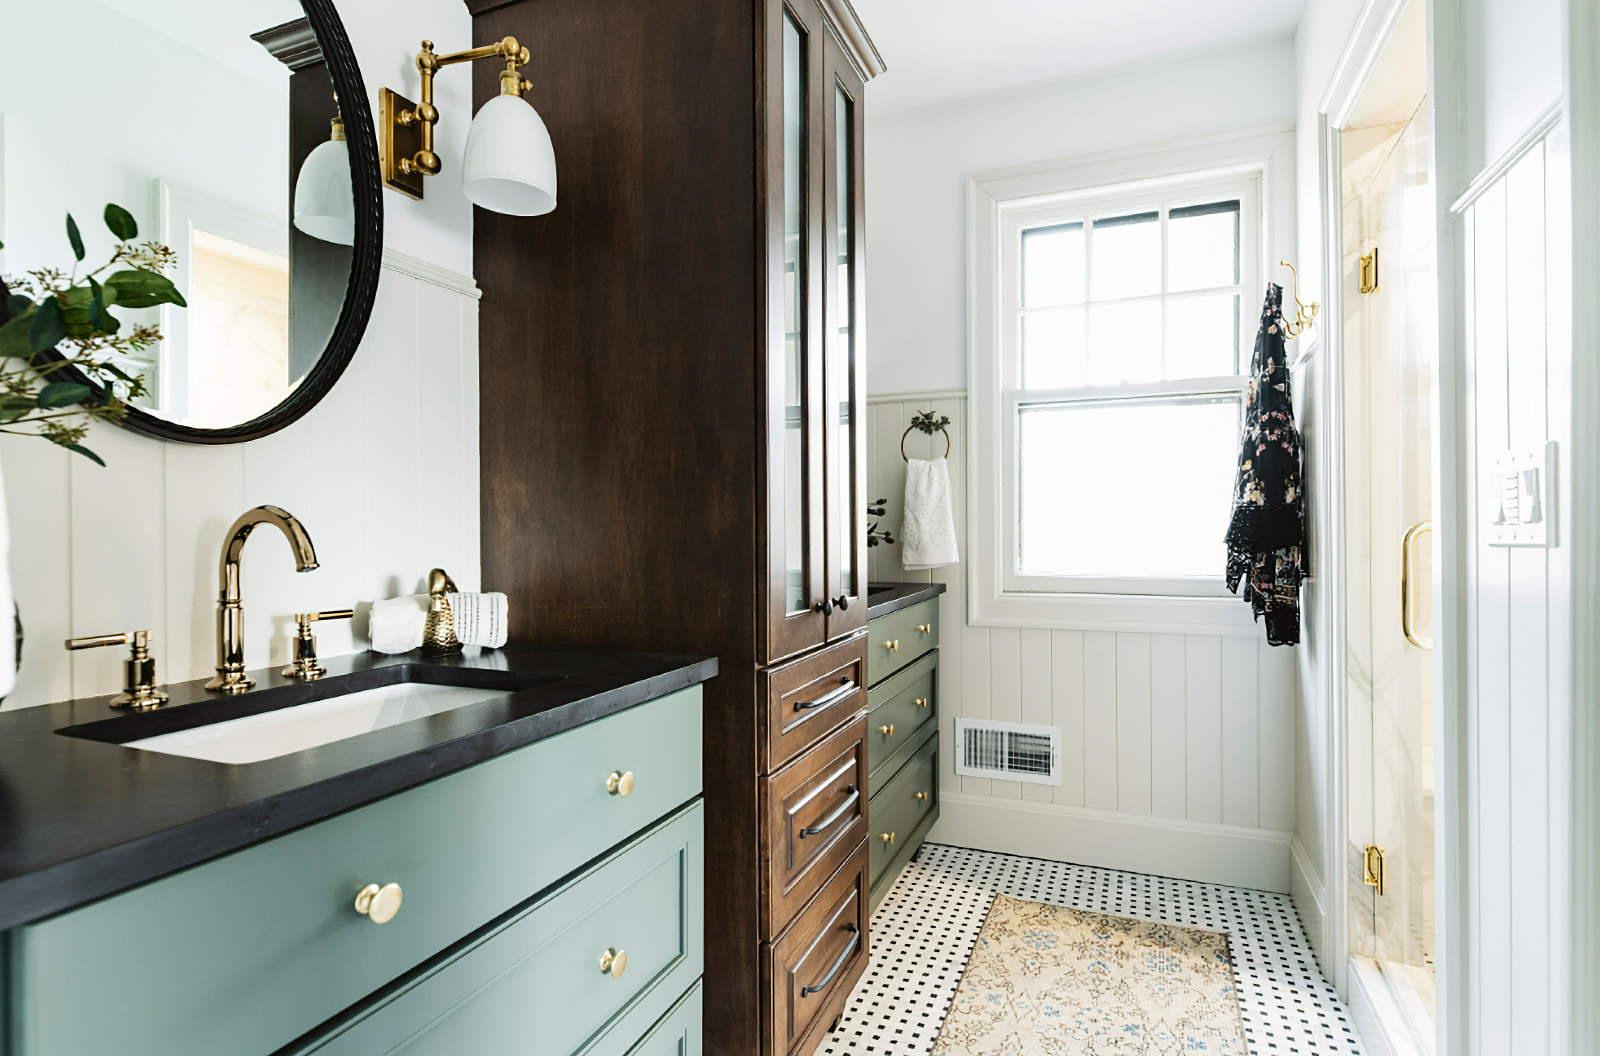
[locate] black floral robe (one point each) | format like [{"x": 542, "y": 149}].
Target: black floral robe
[{"x": 1266, "y": 537}]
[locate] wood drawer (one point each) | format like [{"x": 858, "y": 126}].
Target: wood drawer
[
  {"x": 897, "y": 811},
  {"x": 900, "y": 708},
  {"x": 251, "y": 950},
  {"x": 816, "y": 814},
  {"x": 897, "y": 638},
  {"x": 808, "y": 698},
  {"x": 533, "y": 984},
  {"x": 826, "y": 948}
]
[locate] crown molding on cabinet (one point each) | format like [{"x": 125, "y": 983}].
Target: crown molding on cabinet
[{"x": 854, "y": 36}]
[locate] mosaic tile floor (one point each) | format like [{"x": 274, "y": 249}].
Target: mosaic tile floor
[{"x": 923, "y": 933}]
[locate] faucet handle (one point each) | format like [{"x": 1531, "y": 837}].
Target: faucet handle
[
  {"x": 305, "y": 666},
  {"x": 139, "y": 670}
]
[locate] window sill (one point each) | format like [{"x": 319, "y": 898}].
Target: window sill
[{"x": 1152, "y": 613}]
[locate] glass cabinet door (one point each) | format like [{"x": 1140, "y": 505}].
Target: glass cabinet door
[
  {"x": 844, "y": 379},
  {"x": 797, "y": 595}
]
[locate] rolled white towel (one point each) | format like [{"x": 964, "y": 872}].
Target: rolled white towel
[
  {"x": 397, "y": 624},
  {"x": 480, "y": 618}
]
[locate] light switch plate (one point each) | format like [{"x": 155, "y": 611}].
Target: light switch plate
[{"x": 1519, "y": 498}]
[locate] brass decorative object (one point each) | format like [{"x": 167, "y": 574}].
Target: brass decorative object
[
  {"x": 1369, "y": 272},
  {"x": 439, "y": 631},
  {"x": 407, "y": 127},
  {"x": 139, "y": 670},
  {"x": 230, "y": 676},
  {"x": 379, "y": 904},
  {"x": 305, "y": 666},
  {"x": 1305, "y": 314}
]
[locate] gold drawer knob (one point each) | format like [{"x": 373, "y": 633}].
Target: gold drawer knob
[
  {"x": 893, "y": 647},
  {"x": 379, "y": 904},
  {"x": 614, "y": 962},
  {"x": 620, "y": 783},
  {"x": 921, "y": 702},
  {"x": 887, "y": 837},
  {"x": 923, "y": 796},
  {"x": 925, "y": 628},
  {"x": 887, "y": 731}
]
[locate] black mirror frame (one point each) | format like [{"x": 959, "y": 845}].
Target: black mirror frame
[{"x": 366, "y": 262}]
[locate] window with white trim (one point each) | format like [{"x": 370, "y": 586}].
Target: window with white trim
[{"x": 1124, "y": 344}]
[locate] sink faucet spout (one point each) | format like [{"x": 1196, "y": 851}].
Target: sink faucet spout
[{"x": 230, "y": 607}]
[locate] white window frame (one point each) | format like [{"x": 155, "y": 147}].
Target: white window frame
[{"x": 999, "y": 206}]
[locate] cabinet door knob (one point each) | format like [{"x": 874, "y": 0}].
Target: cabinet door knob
[
  {"x": 925, "y": 628},
  {"x": 893, "y": 647},
  {"x": 887, "y": 837},
  {"x": 887, "y": 731},
  {"x": 920, "y": 702},
  {"x": 923, "y": 796},
  {"x": 620, "y": 783},
  {"x": 614, "y": 962},
  {"x": 843, "y": 602},
  {"x": 825, "y": 607},
  {"x": 379, "y": 904}
]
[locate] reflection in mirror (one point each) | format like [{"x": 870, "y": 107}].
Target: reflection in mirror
[{"x": 234, "y": 157}]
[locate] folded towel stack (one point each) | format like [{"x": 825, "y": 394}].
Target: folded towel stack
[{"x": 396, "y": 624}]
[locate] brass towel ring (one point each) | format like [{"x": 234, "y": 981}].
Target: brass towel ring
[{"x": 926, "y": 423}]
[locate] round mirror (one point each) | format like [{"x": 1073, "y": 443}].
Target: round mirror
[{"x": 237, "y": 139}]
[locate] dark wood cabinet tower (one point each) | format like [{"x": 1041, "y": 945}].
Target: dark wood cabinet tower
[{"x": 672, "y": 371}]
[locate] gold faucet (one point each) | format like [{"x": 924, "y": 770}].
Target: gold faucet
[{"x": 230, "y": 611}]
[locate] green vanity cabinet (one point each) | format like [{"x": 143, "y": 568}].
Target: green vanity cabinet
[
  {"x": 251, "y": 951},
  {"x": 902, "y": 737}
]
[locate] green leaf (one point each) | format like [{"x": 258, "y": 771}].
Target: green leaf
[
  {"x": 121, "y": 223},
  {"x": 138, "y": 288},
  {"x": 85, "y": 452},
  {"x": 14, "y": 407},
  {"x": 49, "y": 328},
  {"x": 18, "y": 304},
  {"x": 75, "y": 238},
  {"x": 14, "y": 336},
  {"x": 62, "y": 394},
  {"x": 99, "y": 318}
]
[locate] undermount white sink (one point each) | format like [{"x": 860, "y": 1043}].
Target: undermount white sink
[{"x": 274, "y": 733}]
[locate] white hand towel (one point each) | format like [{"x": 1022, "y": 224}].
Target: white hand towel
[
  {"x": 480, "y": 618},
  {"x": 397, "y": 624},
  {"x": 928, "y": 532}
]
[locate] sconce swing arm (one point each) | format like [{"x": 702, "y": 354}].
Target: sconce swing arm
[{"x": 408, "y": 153}]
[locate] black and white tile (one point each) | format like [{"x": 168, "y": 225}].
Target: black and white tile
[{"x": 923, "y": 933}]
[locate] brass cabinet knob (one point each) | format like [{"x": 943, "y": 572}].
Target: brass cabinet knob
[
  {"x": 614, "y": 962},
  {"x": 893, "y": 647},
  {"x": 887, "y": 731},
  {"x": 620, "y": 783},
  {"x": 920, "y": 702},
  {"x": 379, "y": 904},
  {"x": 887, "y": 837},
  {"x": 925, "y": 628},
  {"x": 922, "y": 796}
]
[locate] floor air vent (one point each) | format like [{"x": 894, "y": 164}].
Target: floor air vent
[{"x": 1011, "y": 751}]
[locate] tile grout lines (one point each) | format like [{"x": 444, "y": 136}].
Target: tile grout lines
[{"x": 924, "y": 930}]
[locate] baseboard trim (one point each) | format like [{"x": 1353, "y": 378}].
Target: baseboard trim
[
  {"x": 1215, "y": 854},
  {"x": 1310, "y": 900}
]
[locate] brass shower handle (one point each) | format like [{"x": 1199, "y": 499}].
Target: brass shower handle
[{"x": 1408, "y": 584}]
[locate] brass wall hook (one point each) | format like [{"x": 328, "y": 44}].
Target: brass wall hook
[{"x": 1305, "y": 314}]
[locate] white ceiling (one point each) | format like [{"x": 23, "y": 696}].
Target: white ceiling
[{"x": 940, "y": 50}]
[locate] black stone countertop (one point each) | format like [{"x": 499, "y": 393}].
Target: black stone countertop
[
  {"x": 884, "y": 598},
  {"x": 82, "y": 817}
]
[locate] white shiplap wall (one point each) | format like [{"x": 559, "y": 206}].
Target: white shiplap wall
[
  {"x": 1517, "y": 720},
  {"x": 383, "y": 472},
  {"x": 1178, "y": 749}
]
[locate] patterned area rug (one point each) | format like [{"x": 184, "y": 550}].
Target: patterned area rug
[{"x": 1052, "y": 981}]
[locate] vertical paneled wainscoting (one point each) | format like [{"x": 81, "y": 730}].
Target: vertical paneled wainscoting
[
  {"x": 1177, "y": 749},
  {"x": 383, "y": 472}
]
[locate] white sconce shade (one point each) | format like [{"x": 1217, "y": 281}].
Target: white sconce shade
[
  {"x": 510, "y": 166},
  {"x": 324, "y": 205}
]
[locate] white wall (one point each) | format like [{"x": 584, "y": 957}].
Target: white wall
[
  {"x": 384, "y": 472},
  {"x": 917, "y": 161}
]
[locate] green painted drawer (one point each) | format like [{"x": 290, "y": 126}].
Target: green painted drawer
[
  {"x": 900, "y": 709},
  {"x": 897, "y": 638},
  {"x": 533, "y": 986},
  {"x": 897, "y": 811},
  {"x": 679, "y": 1033},
  {"x": 245, "y": 953}
]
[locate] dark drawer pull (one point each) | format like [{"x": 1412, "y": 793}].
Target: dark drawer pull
[
  {"x": 823, "y": 701},
  {"x": 831, "y": 818},
  {"x": 855, "y": 940}
]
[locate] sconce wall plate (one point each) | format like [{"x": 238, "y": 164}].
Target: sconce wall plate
[{"x": 400, "y": 140}]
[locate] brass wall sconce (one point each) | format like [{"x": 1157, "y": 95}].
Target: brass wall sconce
[{"x": 509, "y": 165}]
